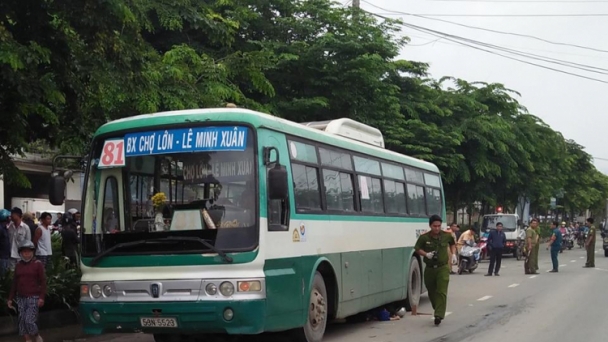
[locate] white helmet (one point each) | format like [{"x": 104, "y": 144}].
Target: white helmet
[{"x": 73, "y": 211}]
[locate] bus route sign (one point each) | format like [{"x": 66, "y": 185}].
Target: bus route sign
[{"x": 198, "y": 139}]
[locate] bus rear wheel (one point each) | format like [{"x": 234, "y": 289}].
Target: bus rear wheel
[
  {"x": 414, "y": 285},
  {"x": 314, "y": 328}
]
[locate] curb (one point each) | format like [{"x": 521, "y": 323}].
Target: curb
[{"x": 46, "y": 320}]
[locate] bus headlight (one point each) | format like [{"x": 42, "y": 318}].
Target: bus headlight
[
  {"x": 107, "y": 291},
  {"x": 211, "y": 289},
  {"x": 249, "y": 286},
  {"x": 95, "y": 291},
  {"x": 227, "y": 289}
]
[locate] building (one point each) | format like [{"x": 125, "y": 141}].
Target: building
[{"x": 37, "y": 169}]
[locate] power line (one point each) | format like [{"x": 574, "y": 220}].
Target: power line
[
  {"x": 447, "y": 37},
  {"x": 584, "y": 67},
  {"x": 489, "y": 30}
]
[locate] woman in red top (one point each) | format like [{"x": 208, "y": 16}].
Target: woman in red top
[{"x": 28, "y": 290}]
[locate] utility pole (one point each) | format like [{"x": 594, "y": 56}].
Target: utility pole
[{"x": 357, "y": 4}]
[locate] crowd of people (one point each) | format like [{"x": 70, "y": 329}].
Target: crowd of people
[
  {"x": 439, "y": 249},
  {"x": 26, "y": 251}
]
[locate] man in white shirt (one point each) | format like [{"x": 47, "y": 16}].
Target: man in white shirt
[
  {"x": 19, "y": 234},
  {"x": 42, "y": 239}
]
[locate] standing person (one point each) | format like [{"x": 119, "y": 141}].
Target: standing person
[
  {"x": 590, "y": 244},
  {"x": 5, "y": 241},
  {"x": 28, "y": 290},
  {"x": 19, "y": 233},
  {"x": 531, "y": 263},
  {"x": 69, "y": 243},
  {"x": 57, "y": 222},
  {"x": 453, "y": 229},
  {"x": 555, "y": 244},
  {"x": 28, "y": 218},
  {"x": 433, "y": 248},
  {"x": 42, "y": 240},
  {"x": 496, "y": 242}
]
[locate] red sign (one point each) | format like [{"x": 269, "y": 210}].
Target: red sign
[{"x": 112, "y": 154}]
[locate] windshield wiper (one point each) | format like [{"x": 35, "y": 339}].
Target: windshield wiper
[
  {"x": 204, "y": 242},
  {"x": 118, "y": 246}
]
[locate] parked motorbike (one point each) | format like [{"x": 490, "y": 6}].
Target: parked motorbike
[
  {"x": 483, "y": 248},
  {"x": 468, "y": 259}
]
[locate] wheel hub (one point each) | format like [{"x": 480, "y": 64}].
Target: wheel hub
[{"x": 317, "y": 309}]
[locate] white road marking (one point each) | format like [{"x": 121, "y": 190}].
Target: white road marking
[
  {"x": 572, "y": 260},
  {"x": 564, "y": 265},
  {"x": 484, "y": 298},
  {"x": 448, "y": 313},
  {"x": 470, "y": 304},
  {"x": 513, "y": 285},
  {"x": 582, "y": 257},
  {"x": 532, "y": 277}
]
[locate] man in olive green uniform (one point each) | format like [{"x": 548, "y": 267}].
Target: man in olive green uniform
[
  {"x": 590, "y": 244},
  {"x": 434, "y": 248},
  {"x": 532, "y": 248}
]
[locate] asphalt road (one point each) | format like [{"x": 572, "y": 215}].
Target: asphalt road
[{"x": 566, "y": 306}]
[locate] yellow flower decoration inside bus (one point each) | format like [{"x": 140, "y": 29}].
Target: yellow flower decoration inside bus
[{"x": 158, "y": 200}]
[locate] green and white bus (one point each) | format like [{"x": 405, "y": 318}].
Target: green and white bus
[{"x": 266, "y": 225}]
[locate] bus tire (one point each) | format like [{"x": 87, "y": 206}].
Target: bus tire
[
  {"x": 316, "y": 319},
  {"x": 414, "y": 285}
]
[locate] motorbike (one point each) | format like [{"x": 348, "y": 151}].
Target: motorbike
[
  {"x": 581, "y": 238},
  {"x": 605, "y": 243},
  {"x": 568, "y": 240},
  {"x": 468, "y": 259},
  {"x": 483, "y": 248}
]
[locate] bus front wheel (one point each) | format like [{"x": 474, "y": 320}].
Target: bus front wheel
[{"x": 314, "y": 328}]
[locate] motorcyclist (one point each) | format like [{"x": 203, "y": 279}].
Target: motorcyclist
[{"x": 562, "y": 228}]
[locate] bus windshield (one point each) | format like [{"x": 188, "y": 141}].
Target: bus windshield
[
  {"x": 206, "y": 193},
  {"x": 509, "y": 222}
]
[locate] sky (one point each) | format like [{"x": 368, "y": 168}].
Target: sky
[{"x": 571, "y": 105}]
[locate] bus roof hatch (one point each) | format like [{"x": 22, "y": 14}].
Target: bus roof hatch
[{"x": 350, "y": 129}]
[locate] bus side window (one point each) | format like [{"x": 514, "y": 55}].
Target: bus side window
[{"x": 278, "y": 213}]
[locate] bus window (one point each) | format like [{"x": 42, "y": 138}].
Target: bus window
[
  {"x": 338, "y": 190},
  {"x": 415, "y": 200},
  {"x": 306, "y": 187},
  {"x": 370, "y": 192},
  {"x": 110, "y": 222},
  {"x": 394, "y": 197}
]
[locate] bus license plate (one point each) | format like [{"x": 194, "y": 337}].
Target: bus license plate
[{"x": 158, "y": 322}]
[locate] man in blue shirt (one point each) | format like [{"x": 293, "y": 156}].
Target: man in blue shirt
[
  {"x": 555, "y": 245},
  {"x": 496, "y": 243}
]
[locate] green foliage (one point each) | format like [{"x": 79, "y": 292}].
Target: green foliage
[
  {"x": 63, "y": 283},
  {"x": 68, "y": 67}
]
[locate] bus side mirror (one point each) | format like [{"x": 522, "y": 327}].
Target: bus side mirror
[
  {"x": 277, "y": 183},
  {"x": 57, "y": 189}
]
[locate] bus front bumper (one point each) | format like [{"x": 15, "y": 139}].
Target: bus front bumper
[{"x": 190, "y": 317}]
